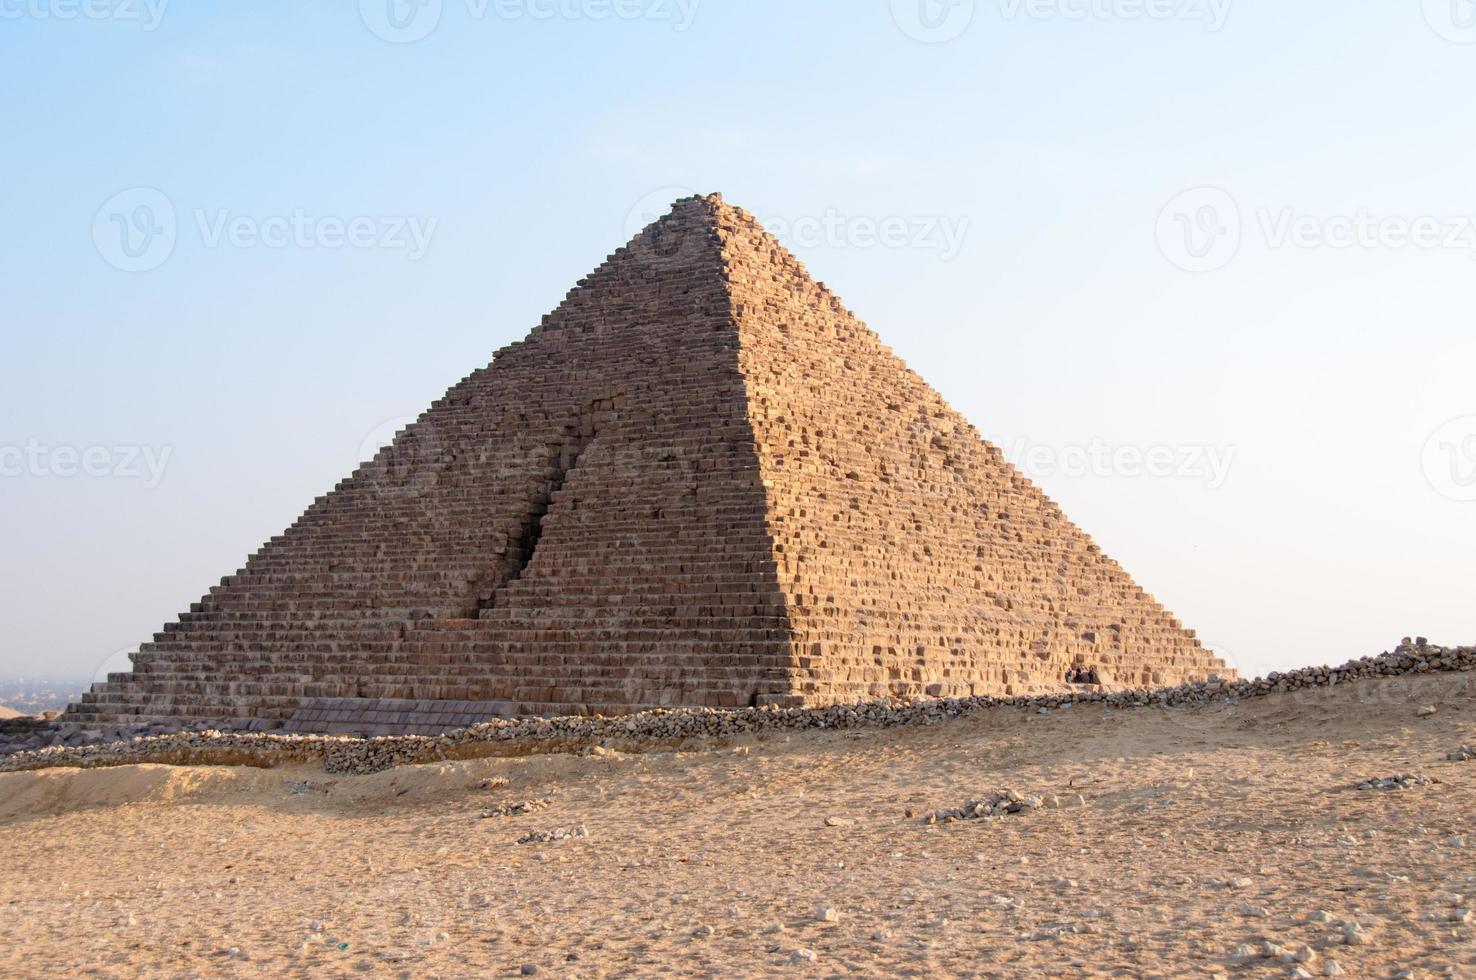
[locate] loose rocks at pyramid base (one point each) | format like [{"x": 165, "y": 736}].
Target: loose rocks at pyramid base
[{"x": 344, "y": 754}]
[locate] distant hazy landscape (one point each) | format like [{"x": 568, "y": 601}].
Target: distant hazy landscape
[{"x": 33, "y": 695}]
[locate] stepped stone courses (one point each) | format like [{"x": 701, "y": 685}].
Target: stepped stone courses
[{"x": 700, "y": 481}]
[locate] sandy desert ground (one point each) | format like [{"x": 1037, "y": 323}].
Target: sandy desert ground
[{"x": 1202, "y": 833}]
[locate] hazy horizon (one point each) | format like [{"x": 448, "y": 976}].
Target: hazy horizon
[{"x": 1202, "y": 269}]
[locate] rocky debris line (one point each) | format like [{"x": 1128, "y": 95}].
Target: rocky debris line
[
  {"x": 46, "y": 730},
  {"x": 348, "y": 754},
  {"x": 1405, "y": 781},
  {"x": 557, "y": 834},
  {"x": 1463, "y": 754},
  {"x": 516, "y": 809}
]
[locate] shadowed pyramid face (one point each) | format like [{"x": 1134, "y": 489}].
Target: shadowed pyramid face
[{"x": 700, "y": 481}]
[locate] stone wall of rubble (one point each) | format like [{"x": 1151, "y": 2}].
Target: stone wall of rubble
[{"x": 526, "y": 735}]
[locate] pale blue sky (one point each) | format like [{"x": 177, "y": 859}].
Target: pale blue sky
[{"x": 1306, "y": 504}]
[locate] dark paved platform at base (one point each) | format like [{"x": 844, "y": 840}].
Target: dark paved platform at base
[{"x": 391, "y": 716}]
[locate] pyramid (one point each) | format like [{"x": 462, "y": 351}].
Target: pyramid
[{"x": 699, "y": 481}]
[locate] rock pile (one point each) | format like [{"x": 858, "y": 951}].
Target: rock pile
[
  {"x": 510, "y": 736},
  {"x": 1406, "y": 781},
  {"x": 557, "y": 834},
  {"x": 515, "y": 809},
  {"x": 298, "y": 787},
  {"x": 997, "y": 804},
  {"x": 1268, "y": 950}
]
